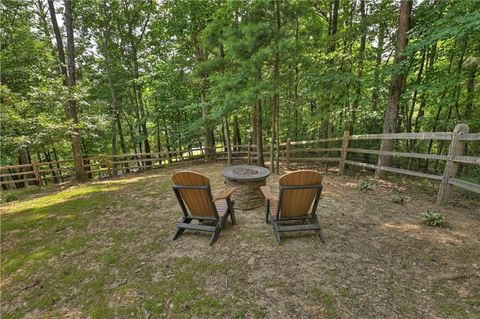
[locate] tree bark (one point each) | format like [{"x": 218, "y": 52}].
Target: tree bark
[
  {"x": 415, "y": 92},
  {"x": 439, "y": 110},
  {"x": 108, "y": 71},
  {"x": 295, "y": 86},
  {"x": 59, "y": 41},
  {"x": 456, "y": 98},
  {"x": 361, "y": 58},
  {"x": 72, "y": 102},
  {"x": 333, "y": 25},
  {"x": 227, "y": 141},
  {"x": 396, "y": 87},
  {"x": 258, "y": 124},
  {"x": 276, "y": 97},
  {"x": 378, "y": 60},
  {"x": 423, "y": 103},
  {"x": 470, "y": 88},
  {"x": 237, "y": 140},
  {"x": 333, "y": 33},
  {"x": 167, "y": 143}
]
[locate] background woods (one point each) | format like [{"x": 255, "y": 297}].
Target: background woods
[{"x": 125, "y": 77}]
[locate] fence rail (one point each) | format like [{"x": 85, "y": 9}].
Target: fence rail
[{"x": 289, "y": 152}]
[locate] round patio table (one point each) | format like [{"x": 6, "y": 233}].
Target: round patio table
[{"x": 247, "y": 179}]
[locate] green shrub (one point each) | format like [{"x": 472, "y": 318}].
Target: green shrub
[
  {"x": 365, "y": 185},
  {"x": 9, "y": 197},
  {"x": 433, "y": 219}
]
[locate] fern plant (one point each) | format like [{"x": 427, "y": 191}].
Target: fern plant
[
  {"x": 433, "y": 219},
  {"x": 364, "y": 185}
]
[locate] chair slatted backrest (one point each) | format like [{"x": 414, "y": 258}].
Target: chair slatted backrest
[
  {"x": 297, "y": 201},
  {"x": 198, "y": 200}
]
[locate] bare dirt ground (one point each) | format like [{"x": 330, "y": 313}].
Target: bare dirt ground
[{"x": 379, "y": 260}]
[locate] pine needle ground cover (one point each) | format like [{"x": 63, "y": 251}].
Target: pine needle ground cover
[{"x": 104, "y": 250}]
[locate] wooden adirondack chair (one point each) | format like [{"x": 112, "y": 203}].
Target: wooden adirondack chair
[
  {"x": 197, "y": 203},
  {"x": 298, "y": 190}
]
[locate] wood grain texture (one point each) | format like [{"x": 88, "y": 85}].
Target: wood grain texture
[
  {"x": 297, "y": 202},
  {"x": 198, "y": 201}
]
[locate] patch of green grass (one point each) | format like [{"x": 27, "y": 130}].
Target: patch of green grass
[
  {"x": 8, "y": 197},
  {"x": 33, "y": 254},
  {"x": 452, "y": 310},
  {"x": 327, "y": 300},
  {"x": 22, "y": 193},
  {"x": 347, "y": 293},
  {"x": 45, "y": 212},
  {"x": 474, "y": 301}
]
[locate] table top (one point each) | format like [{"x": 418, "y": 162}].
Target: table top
[{"x": 246, "y": 173}]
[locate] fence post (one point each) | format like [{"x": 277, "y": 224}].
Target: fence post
[
  {"x": 287, "y": 153},
  {"x": 343, "y": 157},
  {"x": 37, "y": 173},
  {"x": 451, "y": 168},
  {"x": 109, "y": 166},
  {"x": 249, "y": 146}
]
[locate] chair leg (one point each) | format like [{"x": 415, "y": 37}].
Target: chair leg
[
  {"x": 276, "y": 233},
  {"x": 178, "y": 233},
  {"x": 320, "y": 235},
  {"x": 216, "y": 233},
  {"x": 319, "y": 231},
  {"x": 180, "y": 230},
  {"x": 231, "y": 211},
  {"x": 232, "y": 217},
  {"x": 267, "y": 211}
]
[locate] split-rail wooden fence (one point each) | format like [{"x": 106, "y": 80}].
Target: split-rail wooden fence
[{"x": 290, "y": 152}]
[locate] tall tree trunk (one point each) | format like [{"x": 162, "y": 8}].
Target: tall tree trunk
[
  {"x": 396, "y": 87},
  {"x": 237, "y": 140},
  {"x": 333, "y": 34},
  {"x": 253, "y": 124},
  {"x": 222, "y": 136},
  {"x": 138, "y": 90},
  {"x": 361, "y": 58},
  {"x": 131, "y": 129},
  {"x": 423, "y": 103},
  {"x": 378, "y": 60},
  {"x": 227, "y": 140},
  {"x": 59, "y": 41},
  {"x": 167, "y": 143},
  {"x": 259, "y": 135},
  {"x": 208, "y": 136},
  {"x": 415, "y": 92},
  {"x": 455, "y": 102},
  {"x": 72, "y": 102},
  {"x": 439, "y": 110},
  {"x": 108, "y": 71},
  {"x": 157, "y": 129},
  {"x": 472, "y": 70},
  {"x": 409, "y": 112},
  {"x": 123, "y": 146},
  {"x": 258, "y": 124},
  {"x": 276, "y": 80},
  {"x": 273, "y": 134},
  {"x": 333, "y": 25},
  {"x": 295, "y": 85}
]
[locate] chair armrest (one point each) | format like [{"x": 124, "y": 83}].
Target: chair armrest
[
  {"x": 224, "y": 194},
  {"x": 268, "y": 193}
]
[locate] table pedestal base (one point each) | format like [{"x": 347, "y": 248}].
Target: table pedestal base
[{"x": 248, "y": 194}]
